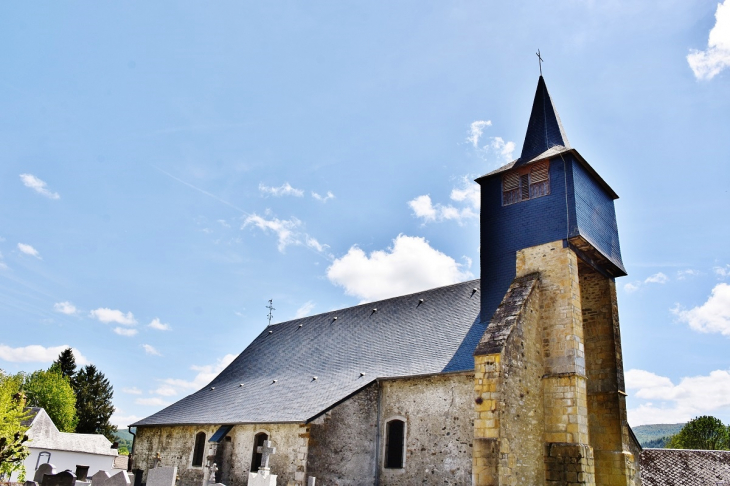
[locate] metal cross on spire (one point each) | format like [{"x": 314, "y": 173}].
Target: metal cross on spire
[
  {"x": 539, "y": 60},
  {"x": 271, "y": 310}
]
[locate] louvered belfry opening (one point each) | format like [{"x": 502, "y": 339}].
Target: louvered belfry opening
[{"x": 526, "y": 183}]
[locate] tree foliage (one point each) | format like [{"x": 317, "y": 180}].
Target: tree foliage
[
  {"x": 94, "y": 406},
  {"x": 13, "y": 448},
  {"x": 52, "y": 391},
  {"x": 705, "y": 432},
  {"x": 66, "y": 363}
]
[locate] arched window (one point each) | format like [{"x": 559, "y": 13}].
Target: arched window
[
  {"x": 395, "y": 434},
  {"x": 199, "y": 449},
  {"x": 43, "y": 458},
  {"x": 258, "y": 440}
]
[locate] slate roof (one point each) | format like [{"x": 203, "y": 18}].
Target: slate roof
[
  {"x": 544, "y": 130},
  {"x": 683, "y": 467},
  {"x": 404, "y": 337}
]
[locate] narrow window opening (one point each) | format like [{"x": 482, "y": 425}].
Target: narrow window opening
[
  {"x": 394, "y": 442},
  {"x": 258, "y": 441},
  {"x": 199, "y": 449}
]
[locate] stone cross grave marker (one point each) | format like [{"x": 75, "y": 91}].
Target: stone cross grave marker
[
  {"x": 162, "y": 476},
  {"x": 64, "y": 478},
  {"x": 266, "y": 451},
  {"x": 42, "y": 470}
]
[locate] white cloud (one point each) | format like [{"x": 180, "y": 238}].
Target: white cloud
[
  {"x": 410, "y": 265},
  {"x": 504, "y": 150},
  {"x": 305, "y": 309},
  {"x": 132, "y": 390},
  {"x": 323, "y": 199},
  {"x": 39, "y": 186},
  {"x": 632, "y": 287},
  {"x": 149, "y": 349},
  {"x": 684, "y": 274},
  {"x": 36, "y": 353},
  {"x": 166, "y": 391},
  {"x": 65, "y": 308},
  {"x": 657, "y": 278},
  {"x": 204, "y": 376},
  {"x": 711, "y": 317},
  {"x": 153, "y": 402},
  {"x": 29, "y": 250},
  {"x": 284, "y": 190},
  {"x": 223, "y": 223},
  {"x": 286, "y": 232},
  {"x": 469, "y": 193},
  {"x": 476, "y": 129},
  {"x": 160, "y": 326},
  {"x": 670, "y": 403},
  {"x": 106, "y": 315},
  {"x": 722, "y": 272},
  {"x": 122, "y": 421},
  {"x": 710, "y": 62},
  {"x": 124, "y": 331},
  {"x": 313, "y": 243}
]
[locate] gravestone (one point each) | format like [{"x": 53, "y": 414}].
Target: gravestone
[
  {"x": 162, "y": 476},
  {"x": 30, "y": 483},
  {"x": 99, "y": 477},
  {"x": 81, "y": 472},
  {"x": 64, "y": 478},
  {"x": 311, "y": 480},
  {"x": 42, "y": 470},
  {"x": 264, "y": 476},
  {"x": 119, "y": 479}
]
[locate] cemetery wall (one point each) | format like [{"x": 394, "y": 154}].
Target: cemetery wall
[
  {"x": 439, "y": 418},
  {"x": 175, "y": 445}
]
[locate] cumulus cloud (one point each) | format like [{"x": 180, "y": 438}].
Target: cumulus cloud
[
  {"x": 286, "y": 231},
  {"x": 722, "y": 272},
  {"x": 205, "y": 375},
  {"x": 153, "y": 402},
  {"x": 29, "y": 250},
  {"x": 657, "y": 278},
  {"x": 661, "y": 401},
  {"x": 36, "y": 353},
  {"x": 121, "y": 420},
  {"x": 160, "y": 326},
  {"x": 709, "y": 63},
  {"x": 106, "y": 315},
  {"x": 125, "y": 331},
  {"x": 632, "y": 287},
  {"x": 149, "y": 349},
  {"x": 468, "y": 195},
  {"x": 166, "y": 391},
  {"x": 410, "y": 265},
  {"x": 39, "y": 186},
  {"x": 711, "y": 317},
  {"x": 476, "y": 129},
  {"x": 324, "y": 198},
  {"x": 284, "y": 190},
  {"x": 65, "y": 308},
  {"x": 132, "y": 390},
  {"x": 305, "y": 309},
  {"x": 503, "y": 150}
]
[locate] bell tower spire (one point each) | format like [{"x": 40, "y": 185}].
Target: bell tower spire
[{"x": 544, "y": 130}]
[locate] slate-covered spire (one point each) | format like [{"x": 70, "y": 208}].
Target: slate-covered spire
[{"x": 544, "y": 130}]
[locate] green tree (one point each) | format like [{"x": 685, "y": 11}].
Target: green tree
[
  {"x": 94, "y": 406},
  {"x": 52, "y": 391},
  {"x": 66, "y": 363},
  {"x": 13, "y": 425},
  {"x": 705, "y": 432}
]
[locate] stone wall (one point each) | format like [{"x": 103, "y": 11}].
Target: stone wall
[
  {"x": 438, "y": 411},
  {"x": 175, "y": 445}
]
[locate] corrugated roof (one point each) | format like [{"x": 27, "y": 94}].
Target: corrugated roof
[
  {"x": 405, "y": 336},
  {"x": 685, "y": 467}
]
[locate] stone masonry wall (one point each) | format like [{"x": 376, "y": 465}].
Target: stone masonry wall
[
  {"x": 438, "y": 411},
  {"x": 175, "y": 445}
]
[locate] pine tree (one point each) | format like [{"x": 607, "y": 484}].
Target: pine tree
[
  {"x": 94, "y": 403},
  {"x": 66, "y": 363}
]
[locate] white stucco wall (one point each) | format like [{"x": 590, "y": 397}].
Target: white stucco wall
[{"x": 63, "y": 460}]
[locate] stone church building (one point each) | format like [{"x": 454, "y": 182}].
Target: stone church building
[{"x": 512, "y": 379}]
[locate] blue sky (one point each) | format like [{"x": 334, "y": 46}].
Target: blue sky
[{"x": 169, "y": 167}]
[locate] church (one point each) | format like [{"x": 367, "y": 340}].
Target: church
[{"x": 515, "y": 378}]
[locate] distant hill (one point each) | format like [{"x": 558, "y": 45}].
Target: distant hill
[
  {"x": 655, "y": 435},
  {"x": 123, "y": 434}
]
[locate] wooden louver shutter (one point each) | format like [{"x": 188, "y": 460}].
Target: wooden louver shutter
[
  {"x": 511, "y": 188},
  {"x": 540, "y": 179}
]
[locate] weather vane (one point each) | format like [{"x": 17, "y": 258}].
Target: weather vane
[
  {"x": 539, "y": 60},
  {"x": 271, "y": 310}
]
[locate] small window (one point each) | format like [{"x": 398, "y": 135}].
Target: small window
[
  {"x": 199, "y": 449},
  {"x": 526, "y": 183},
  {"x": 43, "y": 458},
  {"x": 394, "y": 444},
  {"x": 258, "y": 441}
]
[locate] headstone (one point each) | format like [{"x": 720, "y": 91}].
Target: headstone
[
  {"x": 83, "y": 483},
  {"x": 42, "y": 470},
  {"x": 264, "y": 476},
  {"x": 99, "y": 477},
  {"x": 162, "y": 476},
  {"x": 311, "y": 480},
  {"x": 30, "y": 483},
  {"x": 64, "y": 478},
  {"x": 209, "y": 477},
  {"x": 119, "y": 479},
  {"x": 81, "y": 472}
]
